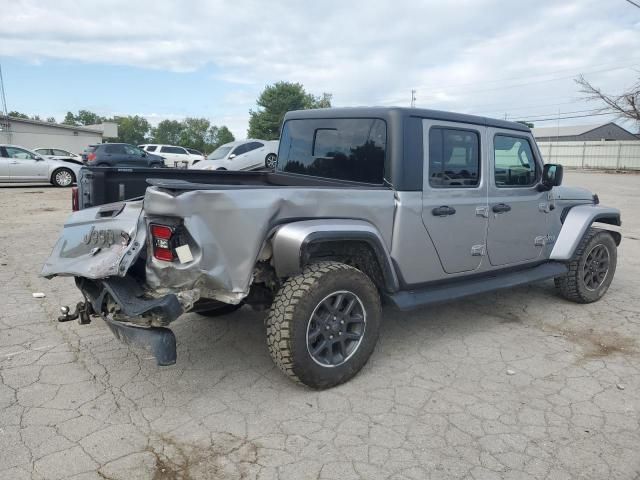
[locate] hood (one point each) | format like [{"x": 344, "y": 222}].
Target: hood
[
  {"x": 73, "y": 165},
  {"x": 153, "y": 156},
  {"x": 572, "y": 193}
]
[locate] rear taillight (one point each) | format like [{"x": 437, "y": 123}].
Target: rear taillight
[
  {"x": 91, "y": 157},
  {"x": 161, "y": 238},
  {"x": 75, "y": 204}
]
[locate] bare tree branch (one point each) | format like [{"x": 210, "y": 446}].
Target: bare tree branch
[{"x": 626, "y": 105}]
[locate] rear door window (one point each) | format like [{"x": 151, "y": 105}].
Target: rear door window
[
  {"x": 115, "y": 149},
  {"x": 343, "y": 149},
  {"x": 240, "y": 149},
  {"x": 176, "y": 150},
  {"x": 62, "y": 153},
  {"x": 454, "y": 158},
  {"x": 151, "y": 148}
]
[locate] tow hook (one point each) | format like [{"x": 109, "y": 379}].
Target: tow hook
[{"x": 82, "y": 314}]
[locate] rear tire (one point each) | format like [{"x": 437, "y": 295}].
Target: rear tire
[
  {"x": 323, "y": 325},
  {"x": 63, "y": 177},
  {"x": 271, "y": 161},
  {"x": 591, "y": 269}
]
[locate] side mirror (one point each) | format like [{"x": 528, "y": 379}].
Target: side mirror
[
  {"x": 232, "y": 156},
  {"x": 39, "y": 158},
  {"x": 551, "y": 176}
]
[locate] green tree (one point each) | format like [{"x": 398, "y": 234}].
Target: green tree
[
  {"x": 168, "y": 131},
  {"x": 132, "y": 129},
  {"x": 36, "y": 117},
  {"x": 69, "y": 119},
  {"x": 218, "y": 136},
  {"x": 276, "y": 100},
  {"x": 195, "y": 133},
  {"x": 15, "y": 114},
  {"x": 51, "y": 119},
  {"x": 85, "y": 117}
]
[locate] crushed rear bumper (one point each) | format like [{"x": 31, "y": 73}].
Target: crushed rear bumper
[
  {"x": 127, "y": 293},
  {"x": 160, "y": 341}
]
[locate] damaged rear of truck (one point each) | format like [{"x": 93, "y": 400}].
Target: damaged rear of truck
[{"x": 228, "y": 240}]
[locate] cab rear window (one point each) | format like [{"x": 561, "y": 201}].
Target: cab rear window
[{"x": 343, "y": 149}]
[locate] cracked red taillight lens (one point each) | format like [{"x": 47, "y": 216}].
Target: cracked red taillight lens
[{"x": 161, "y": 241}]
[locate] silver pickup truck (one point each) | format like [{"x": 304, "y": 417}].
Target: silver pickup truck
[{"x": 366, "y": 206}]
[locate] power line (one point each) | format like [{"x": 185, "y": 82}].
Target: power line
[
  {"x": 507, "y": 79},
  {"x": 569, "y": 117},
  {"x": 633, "y": 3}
]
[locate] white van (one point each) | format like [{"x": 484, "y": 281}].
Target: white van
[{"x": 173, "y": 155}]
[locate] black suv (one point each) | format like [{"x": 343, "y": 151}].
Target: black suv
[{"x": 120, "y": 155}]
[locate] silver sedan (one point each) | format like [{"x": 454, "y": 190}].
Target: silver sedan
[{"x": 18, "y": 164}]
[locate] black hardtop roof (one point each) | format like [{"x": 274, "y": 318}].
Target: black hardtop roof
[{"x": 395, "y": 112}]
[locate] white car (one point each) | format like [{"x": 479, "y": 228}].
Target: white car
[
  {"x": 18, "y": 164},
  {"x": 59, "y": 154},
  {"x": 242, "y": 155},
  {"x": 173, "y": 155}
]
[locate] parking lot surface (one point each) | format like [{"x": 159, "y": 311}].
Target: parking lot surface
[{"x": 517, "y": 384}]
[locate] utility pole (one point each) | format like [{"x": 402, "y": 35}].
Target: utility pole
[
  {"x": 5, "y": 125},
  {"x": 413, "y": 98}
]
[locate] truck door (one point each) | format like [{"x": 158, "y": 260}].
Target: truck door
[
  {"x": 518, "y": 212},
  {"x": 454, "y": 198}
]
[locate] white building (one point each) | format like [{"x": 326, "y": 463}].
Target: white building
[{"x": 36, "y": 134}]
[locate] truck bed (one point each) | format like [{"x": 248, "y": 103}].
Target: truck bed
[{"x": 99, "y": 185}]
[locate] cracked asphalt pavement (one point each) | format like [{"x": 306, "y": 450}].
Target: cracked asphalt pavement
[{"x": 519, "y": 384}]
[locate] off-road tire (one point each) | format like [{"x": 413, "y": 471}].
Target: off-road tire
[
  {"x": 67, "y": 173},
  {"x": 572, "y": 285},
  {"x": 291, "y": 313},
  {"x": 219, "y": 311}
]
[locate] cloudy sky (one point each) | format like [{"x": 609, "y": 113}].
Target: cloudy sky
[{"x": 211, "y": 58}]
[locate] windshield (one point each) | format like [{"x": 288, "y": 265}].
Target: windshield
[{"x": 219, "y": 153}]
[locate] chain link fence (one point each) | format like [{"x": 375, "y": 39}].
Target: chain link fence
[{"x": 614, "y": 155}]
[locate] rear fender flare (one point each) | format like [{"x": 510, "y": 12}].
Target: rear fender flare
[
  {"x": 290, "y": 241},
  {"x": 575, "y": 225}
]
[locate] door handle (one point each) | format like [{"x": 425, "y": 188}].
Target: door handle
[
  {"x": 443, "y": 211},
  {"x": 501, "y": 208}
]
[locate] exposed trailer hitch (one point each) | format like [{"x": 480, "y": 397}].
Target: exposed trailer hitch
[{"x": 82, "y": 313}]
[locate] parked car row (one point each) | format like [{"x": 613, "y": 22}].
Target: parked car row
[
  {"x": 61, "y": 167},
  {"x": 120, "y": 155}
]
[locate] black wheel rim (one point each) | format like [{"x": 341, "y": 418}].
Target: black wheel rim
[
  {"x": 336, "y": 329},
  {"x": 596, "y": 267}
]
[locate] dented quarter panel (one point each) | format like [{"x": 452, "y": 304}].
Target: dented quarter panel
[
  {"x": 95, "y": 246},
  {"x": 229, "y": 227}
]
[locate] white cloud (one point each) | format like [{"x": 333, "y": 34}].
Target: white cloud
[{"x": 459, "y": 54}]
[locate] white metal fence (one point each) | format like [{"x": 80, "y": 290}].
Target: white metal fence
[{"x": 605, "y": 155}]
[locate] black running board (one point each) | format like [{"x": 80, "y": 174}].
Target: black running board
[{"x": 410, "y": 299}]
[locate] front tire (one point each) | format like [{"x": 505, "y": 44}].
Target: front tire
[
  {"x": 591, "y": 269},
  {"x": 323, "y": 325},
  {"x": 63, "y": 177}
]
